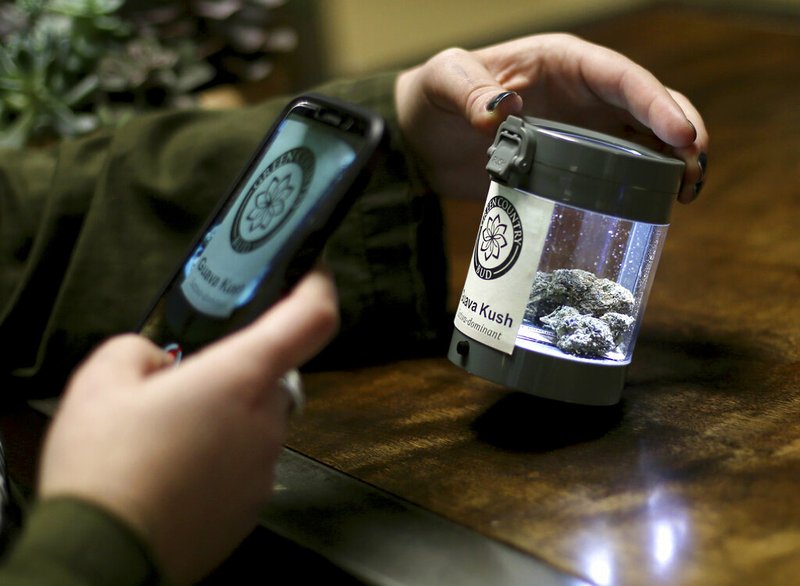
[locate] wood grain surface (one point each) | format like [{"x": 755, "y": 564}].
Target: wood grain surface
[{"x": 694, "y": 478}]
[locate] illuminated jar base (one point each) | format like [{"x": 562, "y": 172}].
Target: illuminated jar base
[{"x": 540, "y": 370}]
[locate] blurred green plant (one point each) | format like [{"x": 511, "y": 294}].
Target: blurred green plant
[{"x": 70, "y": 66}]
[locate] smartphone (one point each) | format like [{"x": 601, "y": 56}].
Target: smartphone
[{"x": 271, "y": 226}]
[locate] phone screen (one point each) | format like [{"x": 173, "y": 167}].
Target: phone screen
[
  {"x": 285, "y": 196},
  {"x": 229, "y": 263}
]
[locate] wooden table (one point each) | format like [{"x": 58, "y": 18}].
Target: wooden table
[
  {"x": 417, "y": 472},
  {"x": 694, "y": 478}
]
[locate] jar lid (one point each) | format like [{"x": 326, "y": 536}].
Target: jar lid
[{"x": 586, "y": 169}]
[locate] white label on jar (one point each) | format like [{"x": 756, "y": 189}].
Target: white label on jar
[{"x": 507, "y": 250}]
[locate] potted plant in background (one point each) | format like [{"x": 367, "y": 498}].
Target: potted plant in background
[{"x": 68, "y": 67}]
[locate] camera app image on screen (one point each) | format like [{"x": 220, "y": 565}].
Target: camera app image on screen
[{"x": 271, "y": 227}]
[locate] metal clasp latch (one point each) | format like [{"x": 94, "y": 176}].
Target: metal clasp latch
[{"x": 512, "y": 152}]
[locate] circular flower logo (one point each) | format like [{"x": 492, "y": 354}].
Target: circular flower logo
[
  {"x": 499, "y": 239},
  {"x": 271, "y": 203},
  {"x": 272, "y": 198},
  {"x": 493, "y": 238}
]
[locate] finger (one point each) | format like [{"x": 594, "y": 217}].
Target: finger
[
  {"x": 297, "y": 327},
  {"x": 620, "y": 82},
  {"x": 290, "y": 333},
  {"x": 463, "y": 85},
  {"x": 695, "y": 155},
  {"x": 694, "y": 175},
  {"x": 701, "y": 133}
]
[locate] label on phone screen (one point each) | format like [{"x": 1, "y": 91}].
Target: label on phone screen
[
  {"x": 507, "y": 251},
  {"x": 225, "y": 269}
]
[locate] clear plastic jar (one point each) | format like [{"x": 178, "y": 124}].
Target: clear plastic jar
[{"x": 565, "y": 257}]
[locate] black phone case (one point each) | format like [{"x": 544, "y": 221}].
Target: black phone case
[{"x": 301, "y": 251}]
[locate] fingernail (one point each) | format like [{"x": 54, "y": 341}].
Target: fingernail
[
  {"x": 702, "y": 162},
  {"x": 697, "y": 187},
  {"x": 293, "y": 385},
  {"x": 693, "y": 127},
  {"x": 173, "y": 354},
  {"x": 492, "y": 106}
]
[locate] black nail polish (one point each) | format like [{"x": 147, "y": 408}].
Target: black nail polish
[
  {"x": 697, "y": 187},
  {"x": 491, "y": 106},
  {"x": 702, "y": 161}
]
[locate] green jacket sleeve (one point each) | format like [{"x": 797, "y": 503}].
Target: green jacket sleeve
[
  {"x": 91, "y": 228},
  {"x": 72, "y": 543}
]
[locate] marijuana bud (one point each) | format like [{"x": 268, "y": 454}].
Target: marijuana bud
[{"x": 588, "y": 315}]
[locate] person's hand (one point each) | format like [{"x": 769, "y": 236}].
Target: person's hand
[
  {"x": 449, "y": 108},
  {"x": 186, "y": 455}
]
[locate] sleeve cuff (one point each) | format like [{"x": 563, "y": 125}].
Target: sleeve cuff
[{"x": 70, "y": 542}]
